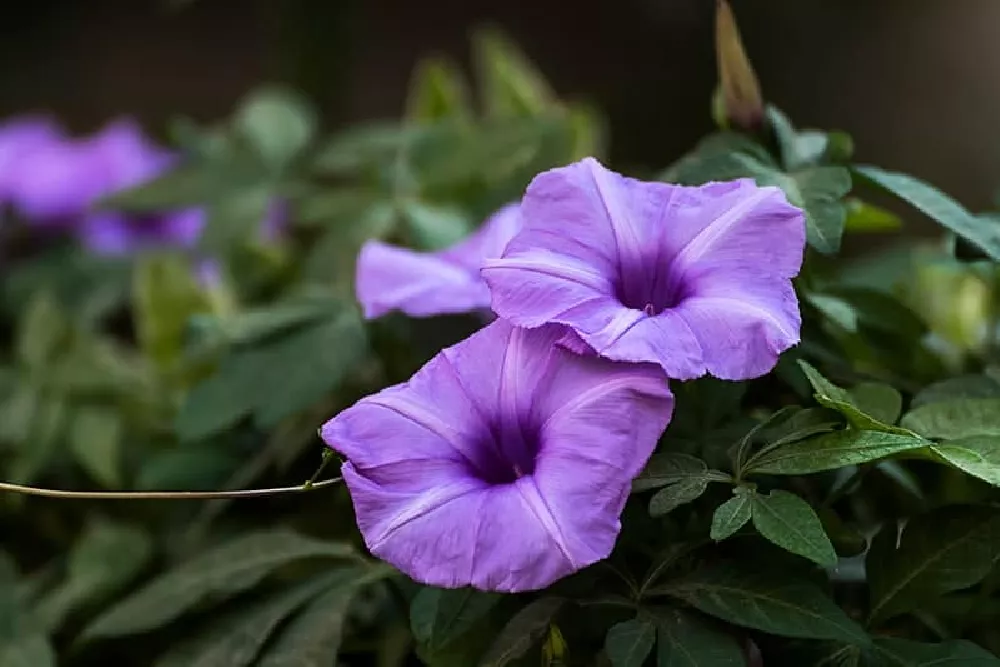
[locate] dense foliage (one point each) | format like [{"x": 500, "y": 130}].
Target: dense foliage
[{"x": 841, "y": 510}]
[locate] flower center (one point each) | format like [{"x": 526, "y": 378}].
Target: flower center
[
  {"x": 506, "y": 454},
  {"x": 649, "y": 288}
]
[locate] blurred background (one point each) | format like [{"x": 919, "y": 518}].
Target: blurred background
[{"x": 916, "y": 83}]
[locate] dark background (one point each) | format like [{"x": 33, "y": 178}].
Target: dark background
[{"x": 917, "y": 82}]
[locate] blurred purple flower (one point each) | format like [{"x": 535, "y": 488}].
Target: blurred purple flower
[
  {"x": 504, "y": 463},
  {"x": 19, "y": 137},
  {"x": 424, "y": 284},
  {"x": 695, "y": 279}
]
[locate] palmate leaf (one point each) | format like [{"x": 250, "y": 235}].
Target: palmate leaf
[
  {"x": 946, "y": 550},
  {"x": 778, "y": 605},
  {"x": 228, "y": 569},
  {"x": 523, "y": 631}
]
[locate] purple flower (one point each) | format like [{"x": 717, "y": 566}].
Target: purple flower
[
  {"x": 695, "y": 279},
  {"x": 424, "y": 284},
  {"x": 18, "y": 138},
  {"x": 504, "y": 463}
]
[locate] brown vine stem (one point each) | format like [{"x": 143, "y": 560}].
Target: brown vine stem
[{"x": 165, "y": 495}]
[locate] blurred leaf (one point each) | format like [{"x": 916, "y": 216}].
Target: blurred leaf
[
  {"x": 684, "y": 640},
  {"x": 834, "y": 308},
  {"x": 41, "y": 448},
  {"x": 435, "y": 227},
  {"x": 956, "y": 418},
  {"x": 731, "y": 515},
  {"x": 254, "y": 325},
  {"x": 833, "y": 450},
  {"x": 165, "y": 295},
  {"x": 984, "y": 234},
  {"x": 234, "y": 219},
  {"x": 509, "y": 84},
  {"x": 437, "y": 91},
  {"x": 106, "y": 557},
  {"x": 976, "y": 455},
  {"x": 946, "y": 550},
  {"x": 788, "y": 521},
  {"x": 740, "y": 91},
  {"x": 895, "y": 652},
  {"x": 779, "y": 605},
  {"x": 439, "y": 616},
  {"x": 95, "y": 437},
  {"x": 628, "y": 643},
  {"x": 865, "y": 217},
  {"x": 523, "y": 631},
  {"x": 312, "y": 637},
  {"x": 22, "y": 642},
  {"x": 42, "y": 333},
  {"x": 961, "y": 387},
  {"x": 188, "y": 467},
  {"x": 278, "y": 123},
  {"x": 217, "y": 574}
]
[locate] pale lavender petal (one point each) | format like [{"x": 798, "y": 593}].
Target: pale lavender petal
[
  {"x": 615, "y": 260},
  {"x": 504, "y": 463},
  {"x": 18, "y": 138},
  {"x": 419, "y": 284}
]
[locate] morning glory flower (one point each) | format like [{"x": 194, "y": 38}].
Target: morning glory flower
[
  {"x": 695, "y": 279},
  {"x": 425, "y": 284},
  {"x": 19, "y": 137},
  {"x": 504, "y": 463}
]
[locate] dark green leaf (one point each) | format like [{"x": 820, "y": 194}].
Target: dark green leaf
[
  {"x": 977, "y": 455},
  {"x": 95, "y": 437},
  {"x": 439, "y": 616},
  {"x": 219, "y": 573},
  {"x": 893, "y": 652},
  {"x": 788, "y": 521},
  {"x": 43, "y": 332},
  {"x": 877, "y": 400},
  {"x": 831, "y": 396},
  {"x": 780, "y": 605},
  {"x": 313, "y": 637},
  {"x": 833, "y": 450},
  {"x": 684, "y": 640},
  {"x": 964, "y": 386},
  {"x": 731, "y": 515},
  {"x": 955, "y": 418},
  {"x": 819, "y": 192},
  {"x": 523, "y": 631},
  {"x": 628, "y": 643},
  {"x": 668, "y": 499},
  {"x": 668, "y": 468},
  {"x": 254, "y": 325},
  {"x": 983, "y": 233},
  {"x": 946, "y": 550},
  {"x": 224, "y": 398},
  {"x": 232, "y": 220},
  {"x": 22, "y": 642},
  {"x": 106, "y": 557}
]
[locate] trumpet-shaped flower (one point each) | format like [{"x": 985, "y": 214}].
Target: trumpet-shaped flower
[
  {"x": 695, "y": 279},
  {"x": 425, "y": 284},
  {"x": 504, "y": 463}
]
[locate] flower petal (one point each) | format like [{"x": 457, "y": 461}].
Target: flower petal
[{"x": 418, "y": 284}]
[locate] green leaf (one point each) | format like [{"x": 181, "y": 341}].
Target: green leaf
[
  {"x": 941, "y": 208},
  {"x": 106, "y": 557},
  {"x": 255, "y": 325},
  {"x": 42, "y": 333},
  {"x": 523, "y": 631},
  {"x": 238, "y": 639},
  {"x": 833, "y": 450},
  {"x": 435, "y": 227},
  {"x": 831, "y": 396},
  {"x": 278, "y": 123},
  {"x": 819, "y": 192},
  {"x": 977, "y": 455},
  {"x": 894, "y": 652},
  {"x": 224, "y": 398},
  {"x": 628, "y": 643},
  {"x": 788, "y": 521},
  {"x": 837, "y": 310},
  {"x": 165, "y": 295},
  {"x": 437, "y": 92},
  {"x": 946, "y": 550},
  {"x": 961, "y": 387},
  {"x": 771, "y": 603},
  {"x": 510, "y": 84},
  {"x": 313, "y": 637},
  {"x": 877, "y": 400},
  {"x": 234, "y": 219},
  {"x": 956, "y": 418},
  {"x": 684, "y": 640},
  {"x": 217, "y": 574},
  {"x": 439, "y": 616},
  {"x": 95, "y": 437},
  {"x": 865, "y": 217},
  {"x": 731, "y": 515},
  {"x": 668, "y": 468},
  {"x": 22, "y": 642},
  {"x": 668, "y": 499}
]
